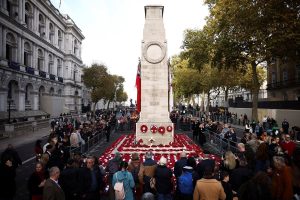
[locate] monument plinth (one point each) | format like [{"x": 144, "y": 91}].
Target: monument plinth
[{"x": 154, "y": 126}]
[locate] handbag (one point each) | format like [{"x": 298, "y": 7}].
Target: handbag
[{"x": 152, "y": 183}]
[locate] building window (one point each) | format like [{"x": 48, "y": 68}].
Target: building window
[
  {"x": 28, "y": 15},
  {"x": 40, "y": 60},
  {"x": 51, "y": 33},
  {"x": 50, "y": 64},
  {"x": 27, "y": 54},
  {"x": 11, "y": 47},
  {"x": 42, "y": 25}
]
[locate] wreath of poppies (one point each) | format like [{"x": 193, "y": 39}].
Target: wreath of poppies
[
  {"x": 161, "y": 130},
  {"x": 144, "y": 128},
  {"x": 169, "y": 128},
  {"x": 153, "y": 129}
]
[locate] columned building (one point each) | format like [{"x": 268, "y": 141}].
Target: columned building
[{"x": 40, "y": 59}]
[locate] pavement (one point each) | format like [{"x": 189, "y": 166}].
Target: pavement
[{"x": 28, "y": 137}]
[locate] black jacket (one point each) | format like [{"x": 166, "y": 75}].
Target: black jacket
[
  {"x": 179, "y": 164},
  {"x": 163, "y": 176},
  {"x": 7, "y": 181}
]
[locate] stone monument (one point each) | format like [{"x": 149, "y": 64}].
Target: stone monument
[{"x": 154, "y": 126}]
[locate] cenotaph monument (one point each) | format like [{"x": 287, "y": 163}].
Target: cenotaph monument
[{"x": 154, "y": 126}]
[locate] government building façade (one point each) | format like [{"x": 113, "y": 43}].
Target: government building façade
[{"x": 40, "y": 60}]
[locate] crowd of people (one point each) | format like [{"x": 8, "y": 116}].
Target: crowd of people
[
  {"x": 62, "y": 157},
  {"x": 264, "y": 165}
]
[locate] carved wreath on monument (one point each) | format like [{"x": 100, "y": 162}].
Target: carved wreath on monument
[{"x": 154, "y": 52}]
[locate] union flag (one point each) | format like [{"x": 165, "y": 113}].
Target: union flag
[{"x": 138, "y": 87}]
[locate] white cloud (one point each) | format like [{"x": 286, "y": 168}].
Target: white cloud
[{"x": 113, "y": 30}]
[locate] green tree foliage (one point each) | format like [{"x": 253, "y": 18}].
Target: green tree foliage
[
  {"x": 243, "y": 33},
  {"x": 103, "y": 85}
]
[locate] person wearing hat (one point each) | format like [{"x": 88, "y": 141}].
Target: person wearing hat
[
  {"x": 147, "y": 170},
  {"x": 163, "y": 183},
  {"x": 134, "y": 167}
]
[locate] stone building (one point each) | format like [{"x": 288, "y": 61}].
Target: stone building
[
  {"x": 283, "y": 80},
  {"x": 40, "y": 59}
]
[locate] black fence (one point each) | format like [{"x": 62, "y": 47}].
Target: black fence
[{"x": 293, "y": 105}]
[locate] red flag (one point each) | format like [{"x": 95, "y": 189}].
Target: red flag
[{"x": 138, "y": 87}]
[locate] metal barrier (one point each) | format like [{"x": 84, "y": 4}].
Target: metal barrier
[
  {"x": 90, "y": 143},
  {"x": 220, "y": 144}
]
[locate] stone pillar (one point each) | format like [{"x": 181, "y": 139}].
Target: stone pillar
[
  {"x": 21, "y": 11},
  {"x": 54, "y": 66},
  {"x": 55, "y": 37},
  {"x": 34, "y": 56},
  {"x": 154, "y": 117},
  {"x": 47, "y": 30},
  {"x": 3, "y": 100},
  {"x": 35, "y": 103},
  {"x": 20, "y": 50},
  {"x": 46, "y": 61},
  {"x": 21, "y": 102},
  {"x": 1, "y": 41},
  {"x": 35, "y": 22}
]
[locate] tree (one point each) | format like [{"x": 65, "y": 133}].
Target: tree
[
  {"x": 186, "y": 81},
  {"x": 252, "y": 32},
  {"x": 99, "y": 81}
]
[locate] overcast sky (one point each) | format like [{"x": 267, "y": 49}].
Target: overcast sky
[{"x": 113, "y": 30}]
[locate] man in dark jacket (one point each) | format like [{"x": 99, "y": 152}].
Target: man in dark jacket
[
  {"x": 163, "y": 182},
  {"x": 179, "y": 164},
  {"x": 13, "y": 155},
  {"x": 69, "y": 181},
  {"x": 92, "y": 179},
  {"x": 7, "y": 179}
]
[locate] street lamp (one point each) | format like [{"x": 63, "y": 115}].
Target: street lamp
[{"x": 9, "y": 103}]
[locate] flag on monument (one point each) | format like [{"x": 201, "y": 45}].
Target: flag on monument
[{"x": 138, "y": 87}]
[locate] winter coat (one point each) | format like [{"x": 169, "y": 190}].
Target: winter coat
[
  {"x": 163, "y": 176},
  {"x": 128, "y": 183},
  {"x": 209, "y": 189}
]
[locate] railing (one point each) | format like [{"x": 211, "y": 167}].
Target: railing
[
  {"x": 30, "y": 70},
  {"x": 220, "y": 144},
  {"x": 52, "y": 77},
  {"x": 60, "y": 79},
  {"x": 14, "y": 65},
  {"x": 42, "y": 74},
  {"x": 90, "y": 143}
]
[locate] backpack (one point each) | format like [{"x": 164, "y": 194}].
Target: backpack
[
  {"x": 119, "y": 189},
  {"x": 186, "y": 183}
]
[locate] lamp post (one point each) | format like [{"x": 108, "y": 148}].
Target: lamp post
[{"x": 9, "y": 103}]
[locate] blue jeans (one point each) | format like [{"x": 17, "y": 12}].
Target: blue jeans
[{"x": 164, "y": 197}]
